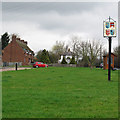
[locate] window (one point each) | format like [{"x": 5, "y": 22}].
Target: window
[{"x": 24, "y": 59}]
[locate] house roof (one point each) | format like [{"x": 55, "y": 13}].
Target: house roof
[
  {"x": 67, "y": 53},
  {"x": 106, "y": 55},
  {"x": 24, "y": 46}
]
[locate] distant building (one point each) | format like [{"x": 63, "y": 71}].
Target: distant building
[
  {"x": 106, "y": 59},
  {"x": 17, "y": 51},
  {"x": 68, "y": 56}
]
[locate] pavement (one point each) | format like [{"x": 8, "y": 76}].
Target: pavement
[{"x": 13, "y": 68}]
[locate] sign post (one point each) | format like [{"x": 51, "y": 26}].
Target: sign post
[
  {"x": 109, "y": 64},
  {"x": 109, "y": 32}
]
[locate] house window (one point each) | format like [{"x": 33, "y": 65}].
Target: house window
[
  {"x": 24, "y": 59},
  {"x": 29, "y": 60}
]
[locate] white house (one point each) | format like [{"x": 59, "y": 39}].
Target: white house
[{"x": 68, "y": 56}]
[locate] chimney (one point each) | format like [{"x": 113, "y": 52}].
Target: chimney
[
  {"x": 25, "y": 42},
  {"x": 22, "y": 41},
  {"x": 13, "y": 37},
  {"x": 18, "y": 39}
]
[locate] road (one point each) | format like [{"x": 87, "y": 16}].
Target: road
[{"x": 13, "y": 68}]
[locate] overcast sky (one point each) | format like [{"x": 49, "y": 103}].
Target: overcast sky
[{"x": 42, "y": 23}]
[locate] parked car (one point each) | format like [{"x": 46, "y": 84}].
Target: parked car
[
  {"x": 101, "y": 65},
  {"x": 39, "y": 64}
]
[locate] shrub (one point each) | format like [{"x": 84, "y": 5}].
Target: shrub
[
  {"x": 63, "y": 61},
  {"x": 72, "y": 60},
  {"x": 68, "y": 58}
]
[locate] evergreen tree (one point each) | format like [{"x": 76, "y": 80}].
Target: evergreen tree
[
  {"x": 5, "y": 40},
  {"x": 44, "y": 57},
  {"x": 38, "y": 56},
  {"x": 72, "y": 60},
  {"x": 63, "y": 61}
]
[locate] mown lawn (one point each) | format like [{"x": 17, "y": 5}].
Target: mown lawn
[{"x": 58, "y": 92}]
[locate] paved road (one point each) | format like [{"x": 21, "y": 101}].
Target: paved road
[{"x": 13, "y": 68}]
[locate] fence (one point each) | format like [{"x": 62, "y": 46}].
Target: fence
[{"x": 62, "y": 65}]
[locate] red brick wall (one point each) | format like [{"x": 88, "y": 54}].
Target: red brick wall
[
  {"x": 14, "y": 53},
  {"x": 105, "y": 62}
]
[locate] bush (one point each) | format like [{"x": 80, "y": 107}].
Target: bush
[
  {"x": 68, "y": 58},
  {"x": 72, "y": 60},
  {"x": 63, "y": 61}
]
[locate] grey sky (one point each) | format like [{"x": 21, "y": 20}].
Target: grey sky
[
  {"x": 61, "y": 7},
  {"x": 59, "y": 0},
  {"x": 41, "y": 24}
]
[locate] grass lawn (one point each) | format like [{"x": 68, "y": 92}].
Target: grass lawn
[{"x": 58, "y": 92}]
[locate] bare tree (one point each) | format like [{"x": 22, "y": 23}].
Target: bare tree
[
  {"x": 117, "y": 59},
  {"x": 89, "y": 51},
  {"x": 117, "y": 50},
  {"x": 93, "y": 52},
  {"x": 74, "y": 44},
  {"x": 59, "y": 48}
]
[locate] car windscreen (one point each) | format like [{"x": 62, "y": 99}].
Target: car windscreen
[{"x": 40, "y": 63}]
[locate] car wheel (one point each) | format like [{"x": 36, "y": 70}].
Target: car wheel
[{"x": 37, "y": 66}]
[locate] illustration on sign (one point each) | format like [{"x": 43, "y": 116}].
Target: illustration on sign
[{"x": 109, "y": 29}]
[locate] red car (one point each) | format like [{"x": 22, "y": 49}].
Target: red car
[{"x": 39, "y": 64}]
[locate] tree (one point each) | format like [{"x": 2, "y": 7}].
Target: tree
[
  {"x": 72, "y": 60},
  {"x": 5, "y": 40},
  {"x": 53, "y": 57},
  {"x": 63, "y": 60},
  {"x": 43, "y": 56},
  {"x": 93, "y": 52},
  {"x": 117, "y": 59},
  {"x": 58, "y": 48},
  {"x": 74, "y": 43},
  {"x": 87, "y": 50},
  {"x": 38, "y": 56},
  {"x": 117, "y": 50}
]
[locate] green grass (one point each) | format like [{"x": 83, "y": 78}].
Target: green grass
[
  {"x": 58, "y": 92},
  {"x": 26, "y": 66}
]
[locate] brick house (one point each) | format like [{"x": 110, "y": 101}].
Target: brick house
[
  {"x": 106, "y": 59},
  {"x": 17, "y": 51}
]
